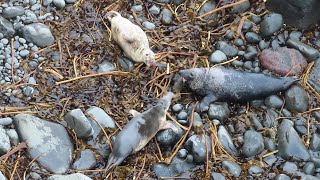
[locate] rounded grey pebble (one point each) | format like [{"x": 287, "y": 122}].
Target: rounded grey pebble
[
  {"x": 182, "y": 115},
  {"x": 28, "y": 91},
  {"x": 273, "y": 101},
  {"x": 22, "y": 40},
  {"x": 255, "y": 19},
  {"x": 289, "y": 167},
  {"x": 248, "y": 65},
  {"x": 166, "y": 16},
  {"x": 177, "y": 107},
  {"x": 255, "y": 170},
  {"x": 218, "y": 111},
  {"x": 316, "y": 115},
  {"x": 233, "y": 168},
  {"x": 297, "y": 99},
  {"x": 217, "y": 176},
  {"x": 4, "y": 41},
  {"x": 182, "y": 153},
  {"x": 59, "y": 3},
  {"x": 229, "y": 35},
  {"x": 238, "y": 42},
  {"x": 282, "y": 177},
  {"x": 237, "y": 63},
  {"x": 154, "y": 9},
  {"x": 217, "y": 57},
  {"x": 137, "y": 8},
  {"x": 296, "y": 35},
  {"x": 13, "y": 136},
  {"x": 252, "y": 37},
  {"x": 309, "y": 168},
  {"x": 189, "y": 158},
  {"x": 253, "y": 143},
  {"x": 241, "y": 53},
  {"x": 271, "y": 23},
  {"x": 85, "y": 160},
  {"x": 247, "y": 25},
  {"x": 149, "y": 25},
  {"x": 250, "y": 55},
  {"x": 5, "y": 121},
  {"x": 269, "y": 144},
  {"x": 24, "y": 53}
]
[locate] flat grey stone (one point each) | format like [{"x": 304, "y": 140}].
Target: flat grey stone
[
  {"x": 59, "y": 3},
  {"x": 6, "y": 27},
  {"x": 4, "y": 141},
  {"x": 12, "y": 12},
  {"x": 226, "y": 141},
  {"x": 233, "y": 168},
  {"x": 297, "y": 99},
  {"x": 48, "y": 142},
  {"x": 196, "y": 146},
  {"x": 13, "y": 136},
  {"x": 290, "y": 145},
  {"x": 270, "y": 24},
  {"x": 2, "y": 176},
  {"x": 253, "y": 143},
  {"x": 38, "y": 33},
  {"x": 86, "y": 160},
  {"x": 105, "y": 66},
  {"x": 76, "y": 176},
  {"x": 78, "y": 121},
  {"x": 102, "y": 117}
]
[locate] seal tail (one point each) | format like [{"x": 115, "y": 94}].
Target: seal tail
[
  {"x": 112, "y": 14},
  {"x": 289, "y": 81}
]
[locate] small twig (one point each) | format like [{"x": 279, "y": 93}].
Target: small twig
[
  {"x": 54, "y": 73},
  {"x": 15, "y": 166},
  {"x": 311, "y": 110},
  {"x": 143, "y": 163},
  {"x": 74, "y": 66},
  {"x": 168, "y": 160},
  {"x": 18, "y": 112},
  {"x": 269, "y": 154},
  {"x": 14, "y": 150},
  {"x": 158, "y": 147},
  {"x": 231, "y": 60},
  {"x": 8, "y": 108},
  {"x": 221, "y": 8},
  {"x": 119, "y": 73}
]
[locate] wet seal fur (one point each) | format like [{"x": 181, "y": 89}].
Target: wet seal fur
[
  {"x": 131, "y": 38},
  {"x": 140, "y": 130},
  {"x": 225, "y": 84}
]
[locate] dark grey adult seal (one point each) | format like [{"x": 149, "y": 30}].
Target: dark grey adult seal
[
  {"x": 227, "y": 85},
  {"x": 139, "y": 130}
]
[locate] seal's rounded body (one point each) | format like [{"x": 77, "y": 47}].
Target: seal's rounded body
[
  {"x": 131, "y": 38},
  {"x": 224, "y": 84},
  {"x": 140, "y": 130}
]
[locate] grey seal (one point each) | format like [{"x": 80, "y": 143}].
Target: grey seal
[
  {"x": 131, "y": 38},
  {"x": 140, "y": 130},
  {"x": 229, "y": 85}
]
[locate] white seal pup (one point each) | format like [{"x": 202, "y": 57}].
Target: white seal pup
[
  {"x": 226, "y": 84},
  {"x": 131, "y": 38},
  {"x": 140, "y": 130}
]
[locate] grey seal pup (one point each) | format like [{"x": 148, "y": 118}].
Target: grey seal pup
[
  {"x": 131, "y": 38},
  {"x": 140, "y": 130},
  {"x": 229, "y": 85}
]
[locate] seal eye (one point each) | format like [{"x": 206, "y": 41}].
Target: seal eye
[
  {"x": 147, "y": 54},
  {"x": 191, "y": 74}
]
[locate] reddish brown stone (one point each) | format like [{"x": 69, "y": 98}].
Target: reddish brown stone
[{"x": 283, "y": 60}]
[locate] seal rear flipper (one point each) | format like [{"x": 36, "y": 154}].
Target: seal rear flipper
[
  {"x": 204, "y": 104},
  {"x": 169, "y": 125},
  {"x": 112, "y": 162}
]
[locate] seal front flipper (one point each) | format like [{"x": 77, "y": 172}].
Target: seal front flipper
[
  {"x": 204, "y": 104},
  {"x": 169, "y": 125},
  {"x": 134, "y": 113}
]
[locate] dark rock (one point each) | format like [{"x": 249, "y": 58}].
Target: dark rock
[
  {"x": 273, "y": 101},
  {"x": 256, "y": 103},
  {"x": 167, "y": 137},
  {"x": 177, "y": 166},
  {"x": 283, "y": 61},
  {"x": 315, "y": 142},
  {"x": 255, "y": 19},
  {"x": 217, "y": 176},
  {"x": 300, "y": 126},
  {"x": 177, "y": 107},
  {"x": 12, "y": 12},
  {"x": 240, "y": 8},
  {"x": 309, "y": 52},
  {"x": 86, "y": 160},
  {"x": 229, "y": 35},
  {"x": 226, "y": 48},
  {"x": 49, "y": 143},
  {"x": 269, "y": 144},
  {"x": 125, "y": 63},
  {"x": 300, "y": 13},
  {"x": 219, "y": 111},
  {"x": 239, "y": 42},
  {"x": 255, "y": 171},
  {"x": 38, "y": 33},
  {"x": 314, "y": 75},
  {"x": 166, "y": 16},
  {"x": 226, "y": 141},
  {"x": 249, "y": 56},
  {"x": 233, "y": 168},
  {"x": 270, "y": 24},
  {"x": 78, "y": 121},
  {"x": 263, "y": 45},
  {"x": 206, "y": 7},
  {"x": 6, "y": 27},
  {"x": 253, "y": 143},
  {"x": 255, "y": 122},
  {"x": 297, "y": 99},
  {"x": 316, "y": 115},
  {"x": 252, "y": 37},
  {"x": 269, "y": 118},
  {"x": 196, "y": 146},
  {"x": 290, "y": 145}
]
